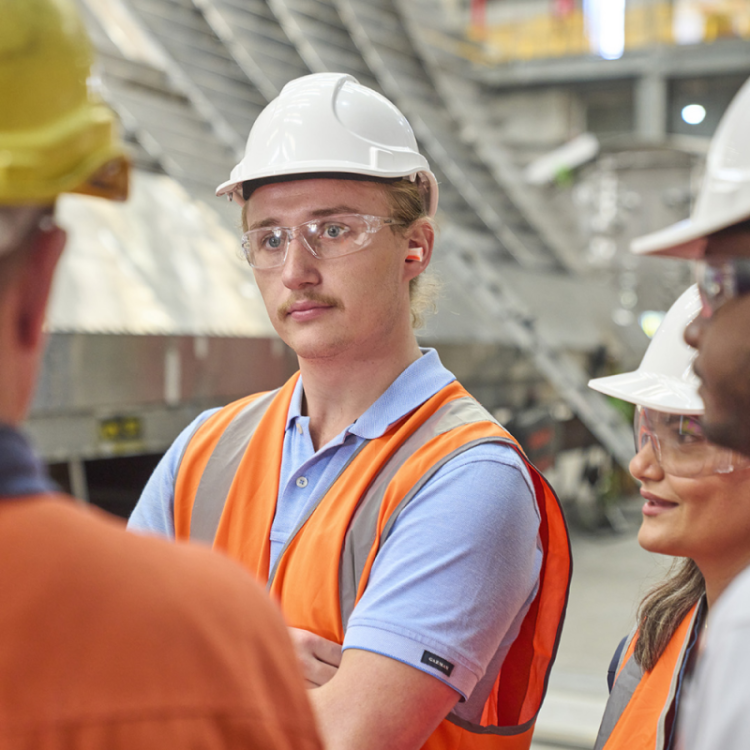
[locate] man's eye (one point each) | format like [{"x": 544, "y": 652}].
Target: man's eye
[
  {"x": 334, "y": 231},
  {"x": 272, "y": 242}
]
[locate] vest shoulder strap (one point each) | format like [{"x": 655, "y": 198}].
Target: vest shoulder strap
[
  {"x": 627, "y": 677},
  {"x": 364, "y": 527},
  {"x": 212, "y": 455},
  {"x": 221, "y": 468},
  {"x": 638, "y": 713}
]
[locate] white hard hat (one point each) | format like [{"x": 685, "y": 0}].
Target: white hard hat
[
  {"x": 724, "y": 197},
  {"x": 329, "y": 123},
  {"x": 664, "y": 380}
]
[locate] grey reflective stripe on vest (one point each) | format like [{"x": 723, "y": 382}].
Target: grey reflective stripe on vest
[
  {"x": 363, "y": 530},
  {"x": 624, "y": 687},
  {"x": 217, "y": 478},
  {"x": 626, "y": 681}
]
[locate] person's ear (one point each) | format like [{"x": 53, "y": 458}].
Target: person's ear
[
  {"x": 420, "y": 238},
  {"x": 35, "y": 285}
]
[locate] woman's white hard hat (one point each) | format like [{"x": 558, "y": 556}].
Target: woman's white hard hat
[
  {"x": 329, "y": 123},
  {"x": 724, "y": 197},
  {"x": 664, "y": 380}
]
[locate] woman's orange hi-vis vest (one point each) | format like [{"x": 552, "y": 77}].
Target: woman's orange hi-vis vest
[
  {"x": 640, "y": 714},
  {"x": 226, "y": 491}
]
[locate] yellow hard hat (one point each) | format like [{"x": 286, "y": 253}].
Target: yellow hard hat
[{"x": 56, "y": 134}]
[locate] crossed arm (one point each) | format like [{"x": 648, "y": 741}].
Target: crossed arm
[
  {"x": 479, "y": 560},
  {"x": 368, "y": 701}
]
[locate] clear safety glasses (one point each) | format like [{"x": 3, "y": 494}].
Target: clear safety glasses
[
  {"x": 722, "y": 279},
  {"x": 327, "y": 237},
  {"x": 681, "y": 447}
]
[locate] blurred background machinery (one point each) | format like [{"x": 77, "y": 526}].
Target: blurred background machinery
[{"x": 558, "y": 129}]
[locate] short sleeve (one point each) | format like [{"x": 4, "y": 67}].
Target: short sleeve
[{"x": 457, "y": 572}]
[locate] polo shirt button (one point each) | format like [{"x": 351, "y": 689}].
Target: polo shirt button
[{"x": 302, "y": 482}]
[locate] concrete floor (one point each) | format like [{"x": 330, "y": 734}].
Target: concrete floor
[{"x": 611, "y": 573}]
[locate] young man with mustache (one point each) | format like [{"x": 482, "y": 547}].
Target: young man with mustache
[{"x": 421, "y": 563}]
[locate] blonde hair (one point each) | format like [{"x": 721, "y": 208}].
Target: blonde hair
[{"x": 408, "y": 206}]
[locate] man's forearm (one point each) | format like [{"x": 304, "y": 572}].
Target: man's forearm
[{"x": 377, "y": 703}]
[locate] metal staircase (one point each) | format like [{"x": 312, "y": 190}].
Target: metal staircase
[
  {"x": 469, "y": 105},
  {"x": 380, "y": 33},
  {"x": 377, "y": 29}
]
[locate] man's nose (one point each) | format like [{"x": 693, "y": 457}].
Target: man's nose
[{"x": 300, "y": 264}]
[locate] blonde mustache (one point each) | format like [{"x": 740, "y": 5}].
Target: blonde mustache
[{"x": 322, "y": 299}]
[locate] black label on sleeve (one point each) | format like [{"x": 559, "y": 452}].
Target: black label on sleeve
[{"x": 437, "y": 662}]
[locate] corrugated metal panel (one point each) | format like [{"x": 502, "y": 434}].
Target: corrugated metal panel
[
  {"x": 160, "y": 264},
  {"x": 152, "y": 386}
]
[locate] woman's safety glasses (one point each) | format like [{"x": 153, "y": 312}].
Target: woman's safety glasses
[
  {"x": 681, "y": 447},
  {"x": 327, "y": 237},
  {"x": 722, "y": 279}
]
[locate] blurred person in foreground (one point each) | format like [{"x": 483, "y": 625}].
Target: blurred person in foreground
[
  {"x": 106, "y": 640},
  {"x": 422, "y": 563},
  {"x": 697, "y": 509},
  {"x": 717, "y": 237}
]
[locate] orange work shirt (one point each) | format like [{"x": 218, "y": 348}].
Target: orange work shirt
[{"x": 111, "y": 640}]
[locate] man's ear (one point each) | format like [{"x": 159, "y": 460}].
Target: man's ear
[
  {"x": 35, "y": 282},
  {"x": 421, "y": 238}
]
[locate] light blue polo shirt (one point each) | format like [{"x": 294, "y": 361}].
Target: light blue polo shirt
[{"x": 461, "y": 564}]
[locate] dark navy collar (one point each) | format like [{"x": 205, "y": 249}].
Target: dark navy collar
[{"x": 21, "y": 471}]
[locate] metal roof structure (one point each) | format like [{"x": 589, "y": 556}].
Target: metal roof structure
[{"x": 161, "y": 264}]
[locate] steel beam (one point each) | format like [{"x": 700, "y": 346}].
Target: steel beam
[{"x": 719, "y": 58}]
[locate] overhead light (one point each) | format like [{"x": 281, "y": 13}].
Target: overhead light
[
  {"x": 694, "y": 114},
  {"x": 605, "y": 25},
  {"x": 650, "y": 321}
]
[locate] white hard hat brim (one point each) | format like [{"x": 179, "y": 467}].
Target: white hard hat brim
[
  {"x": 685, "y": 239},
  {"x": 233, "y": 187},
  {"x": 661, "y": 392}
]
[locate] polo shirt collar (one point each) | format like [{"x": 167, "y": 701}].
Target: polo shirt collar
[{"x": 419, "y": 381}]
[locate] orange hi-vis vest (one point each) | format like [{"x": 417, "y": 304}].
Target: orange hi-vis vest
[
  {"x": 226, "y": 491},
  {"x": 640, "y": 712}
]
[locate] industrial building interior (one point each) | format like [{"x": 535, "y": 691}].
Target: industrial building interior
[{"x": 559, "y": 130}]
